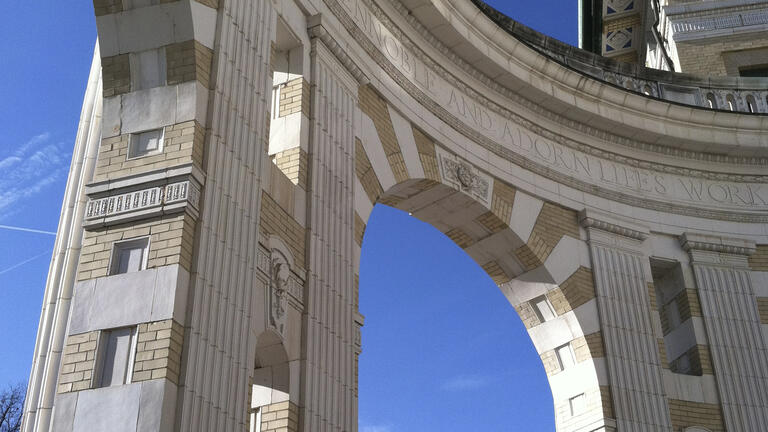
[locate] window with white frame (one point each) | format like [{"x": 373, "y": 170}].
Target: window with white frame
[
  {"x": 129, "y": 256},
  {"x": 565, "y": 356},
  {"x": 543, "y": 308},
  {"x": 116, "y": 351},
  {"x": 145, "y": 143}
]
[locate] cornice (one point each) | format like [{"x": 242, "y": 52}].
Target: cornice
[
  {"x": 518, "y": 159},
  {"x": 595, "y": 220},
  {"x": 534, "y": 106},
  {"x": 708, "y": 243}
]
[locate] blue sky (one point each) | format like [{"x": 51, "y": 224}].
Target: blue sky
[{"x": 443, "y": 350}]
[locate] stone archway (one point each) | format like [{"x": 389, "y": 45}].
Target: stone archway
[
  {"x": 559, "y": 311},
  {"x": 563, "y": 185}
]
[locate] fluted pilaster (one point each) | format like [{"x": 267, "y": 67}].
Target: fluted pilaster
[
  {"x": 729, "y": 309},
  {"x": 634, "y": 367},
  {"x": 328, "y": 397}
]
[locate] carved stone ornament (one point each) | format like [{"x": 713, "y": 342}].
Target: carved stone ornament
[
  {"x": 618, "y": 40},
  {"x": 613, "y": 7},
  {"x": 279, "y": 272},
  {"x": 465, "y": 177}
]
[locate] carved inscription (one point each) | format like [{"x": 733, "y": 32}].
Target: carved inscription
[{"x": 556, "y": 153}]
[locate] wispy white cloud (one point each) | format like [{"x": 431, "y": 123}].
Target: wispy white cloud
[
  {"x": 32, "y": 230},
  {"x": 28, "y": 170},
  {"x": 464, "y": 382},
  {"x": 21, "y": 263}
]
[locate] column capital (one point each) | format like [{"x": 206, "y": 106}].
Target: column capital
[
  {"x": 596, "y": 220},
  {"x": 691, "y": 241}
]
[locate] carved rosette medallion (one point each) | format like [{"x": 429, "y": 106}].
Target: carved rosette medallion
[{"x": 463, "y": 176}]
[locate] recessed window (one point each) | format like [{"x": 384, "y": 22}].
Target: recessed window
[
  {"x": 565, "y": 356},
  {"x": 731, "y": 102},
  {"x": 760, "y": 71},
  {"x": 543, "y": 308},
  {"x": 578, "y": 404},
  {"x": 129, "y": 256},
  {"x": 148, "y": 69},
  {"x": 145, "y": 143},
  {"x": 116, "y": 350}
]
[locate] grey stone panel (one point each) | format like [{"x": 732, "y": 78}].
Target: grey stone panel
[{"x": 129, "y": 299}]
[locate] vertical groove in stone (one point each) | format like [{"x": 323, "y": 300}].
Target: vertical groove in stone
[
  {"x": 739, "y": 354},
  {"x": 222, "y": 306},
  {"x": 328, "y": 400},
  {"x": 633, "y": 361}
]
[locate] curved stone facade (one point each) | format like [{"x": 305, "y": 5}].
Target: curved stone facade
[{"x": 230, "y": 153}]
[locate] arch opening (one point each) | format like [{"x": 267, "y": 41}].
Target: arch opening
[
  {"x": 522, "y": 250},
  {"x": 270, "y": 390}
]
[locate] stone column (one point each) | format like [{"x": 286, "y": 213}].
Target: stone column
[
  {"x": 328, "y": 396},
  {"x": 622, "y": 272},
  {"x": 729, "y": 309}
]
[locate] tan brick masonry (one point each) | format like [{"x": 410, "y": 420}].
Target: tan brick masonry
[
  {"x": 78, "y": 362},
  {"x": 294, "y": 98},
  {"x": 106, "y": 7},
  {"x": 359, "y": 229},
  {"x": 762, "y": 309},
  {"x": 158, "y": 351},
  {"x": 496, "y": 273},
  {"x": 366, "y": 174},
  {"x": 686, "y": 414},
  {"x": 573, "y": 292},
  {"x": 460, "y": 237},
  {"x": 171, "y": 239},
  {"x": 188, "y": 61},
  {"x": 376, "y": 108},
  {"x": 758, "y": 261},
  {"x": 275, "y": 220},
  {"x": 116, "y": 75},
  {"x": 293, "y": 163},
  {"x": 280, "y": 417},
  {"x": 706, "y": 59},
  {"x": 426, "y": 149},
  {"x": 182, "y": 143},
  {"x": 551, "y": 225}
]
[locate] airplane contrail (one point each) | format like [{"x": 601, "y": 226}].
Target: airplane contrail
[
  {"x": 24, "y": 262},
  {"x": 32, "y": 230}
]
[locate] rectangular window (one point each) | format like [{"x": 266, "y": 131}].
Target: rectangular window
[
  {"x": 565, "y": 356},
  {"x": 129, "y": 256},
  {"x": 578, "y": 404},
  {"x": 116, "y": 356},
  {"x": 148, "y": 69},
  {"x": 543, "y": 308},
  {"x": 145, "y": 143}
]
